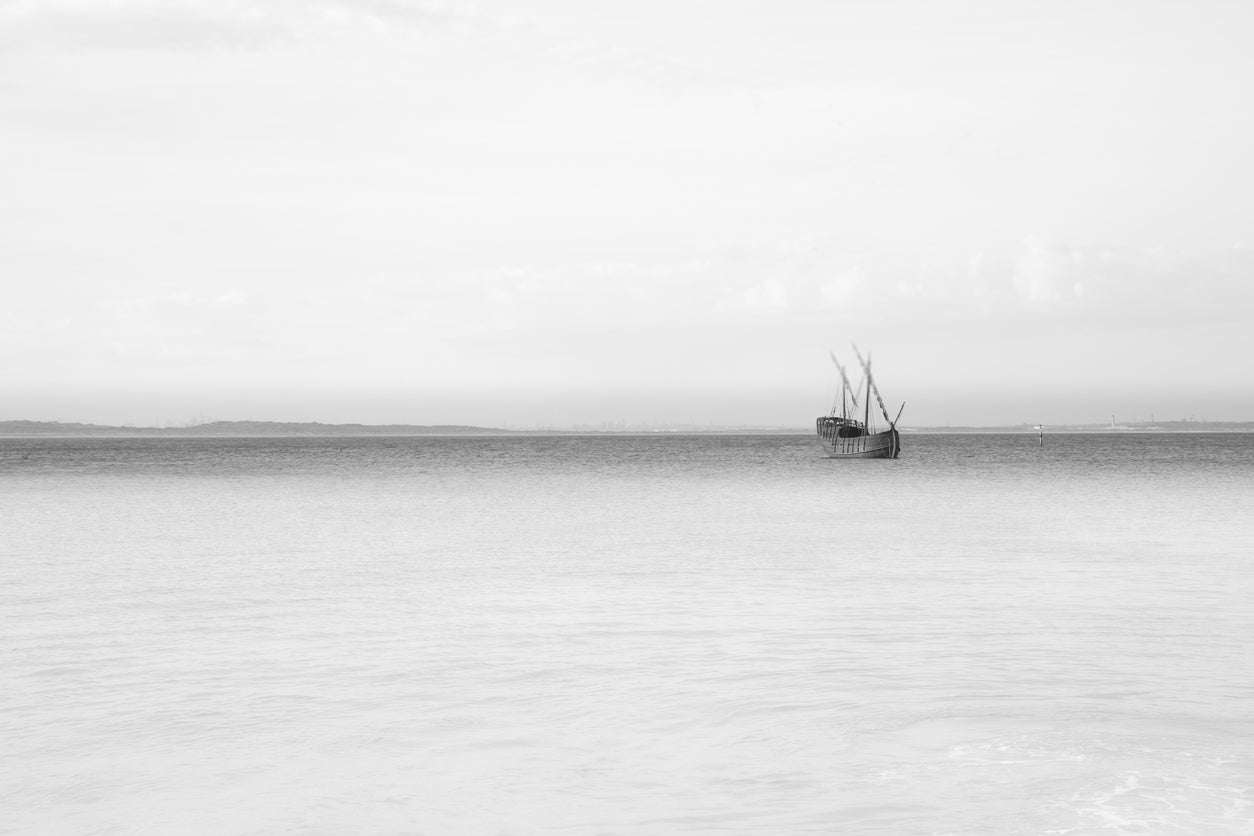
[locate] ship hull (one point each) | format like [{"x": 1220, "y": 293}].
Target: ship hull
[{"x": 885, "y": 445}]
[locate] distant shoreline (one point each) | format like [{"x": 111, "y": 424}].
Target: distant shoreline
[
  {"x": 278, "y": 429},
  {"x": 242, "y": 429}
]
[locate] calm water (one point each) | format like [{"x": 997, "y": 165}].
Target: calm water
[{"x": 627, "y": 635}]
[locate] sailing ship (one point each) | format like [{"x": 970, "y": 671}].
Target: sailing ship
[{"x": 846, "y": 436}]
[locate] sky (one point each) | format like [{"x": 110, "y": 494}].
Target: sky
[{"x": 552, "y": 212}]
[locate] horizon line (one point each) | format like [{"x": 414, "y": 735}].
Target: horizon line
[{"x": 18, "y": 428}]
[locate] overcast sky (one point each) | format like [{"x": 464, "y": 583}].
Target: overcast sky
[{"x": 562, "y": 212}]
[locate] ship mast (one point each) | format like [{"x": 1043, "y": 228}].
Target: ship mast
[
  {"x": 846, "y": 388},
  {"x": 866, "y": 367},
  {"x": 866, "y": 400}
]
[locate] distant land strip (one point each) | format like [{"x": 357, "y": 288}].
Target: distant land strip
[
  {"x": 238, "y": 428},
  {"x": 315, "y": 428},
  {"x": 1158, "y": 427},
  {"x": 21, "y": 429}
]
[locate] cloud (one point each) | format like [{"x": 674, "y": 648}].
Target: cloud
[
  {"x": 816, "y": 283},
  {"x": 201, "y": 24},
  {"x": 1151, "y": 285},
  {"x": 1042, "y": 274},
  {"x": 142, "y": 23},
  {"x": 1042, "y": 280},
  {"x": 766, "y": 297}
]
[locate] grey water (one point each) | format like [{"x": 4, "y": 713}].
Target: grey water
[{"x": 627, "y": 634}]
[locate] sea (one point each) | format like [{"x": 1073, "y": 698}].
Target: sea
[{"x": 627, "y": 634}]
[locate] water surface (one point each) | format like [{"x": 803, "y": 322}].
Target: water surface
[{"x": 627, "y": 634}]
